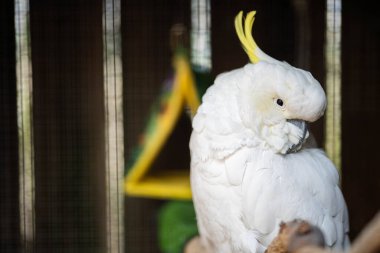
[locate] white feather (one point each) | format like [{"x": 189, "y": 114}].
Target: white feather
[{"x": 242, "y": 181}]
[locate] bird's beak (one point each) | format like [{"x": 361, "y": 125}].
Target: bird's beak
[{"x": 301, "y": 124}]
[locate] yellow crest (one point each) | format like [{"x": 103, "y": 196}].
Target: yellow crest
[{"x": 245, "y": 36}]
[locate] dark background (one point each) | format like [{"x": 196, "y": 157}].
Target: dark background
[{"x": 67, "y": 59}]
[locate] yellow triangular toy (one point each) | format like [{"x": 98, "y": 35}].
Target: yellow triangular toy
[{"x": 166, "y": 184}]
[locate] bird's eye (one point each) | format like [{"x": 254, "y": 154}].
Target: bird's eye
[{"x": 280, "y": 102}]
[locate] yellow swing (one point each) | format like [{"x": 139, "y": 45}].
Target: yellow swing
[{"x": 164, "y": 184}]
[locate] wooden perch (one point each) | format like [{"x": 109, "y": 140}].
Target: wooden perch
[
  {"x": 369, "y": 239},
  {"x": 367, "y": 242},
  {"x": 295, "y": 235},
  {"x": 300, "y": 237},
  {"x": 195, "y": 246}
]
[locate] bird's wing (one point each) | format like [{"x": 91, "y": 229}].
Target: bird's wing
[
  {"x": 303, "y": 185},
  {"x": 217, "y": 123},
  {"x": 236, "y": 164}
]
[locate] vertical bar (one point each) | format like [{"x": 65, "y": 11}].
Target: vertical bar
[
  {"x": 25, "y": 123},
  {"x": 113, "y": 90},
  {"x": 333, "y": 81},
  {"x": 201, "y": 35}
]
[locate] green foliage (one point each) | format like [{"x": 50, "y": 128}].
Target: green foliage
[{"x": 176, "y": 225}]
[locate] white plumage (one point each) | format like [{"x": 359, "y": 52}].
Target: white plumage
[{"x": 246, "y": 174}]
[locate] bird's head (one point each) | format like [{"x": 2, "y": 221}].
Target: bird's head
[{"x": 277, "y": 99}]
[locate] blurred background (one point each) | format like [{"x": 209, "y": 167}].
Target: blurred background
[{"x": 83, "y": 74}]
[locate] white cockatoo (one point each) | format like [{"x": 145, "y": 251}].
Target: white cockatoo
[{"x": 249, "y": 171}]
